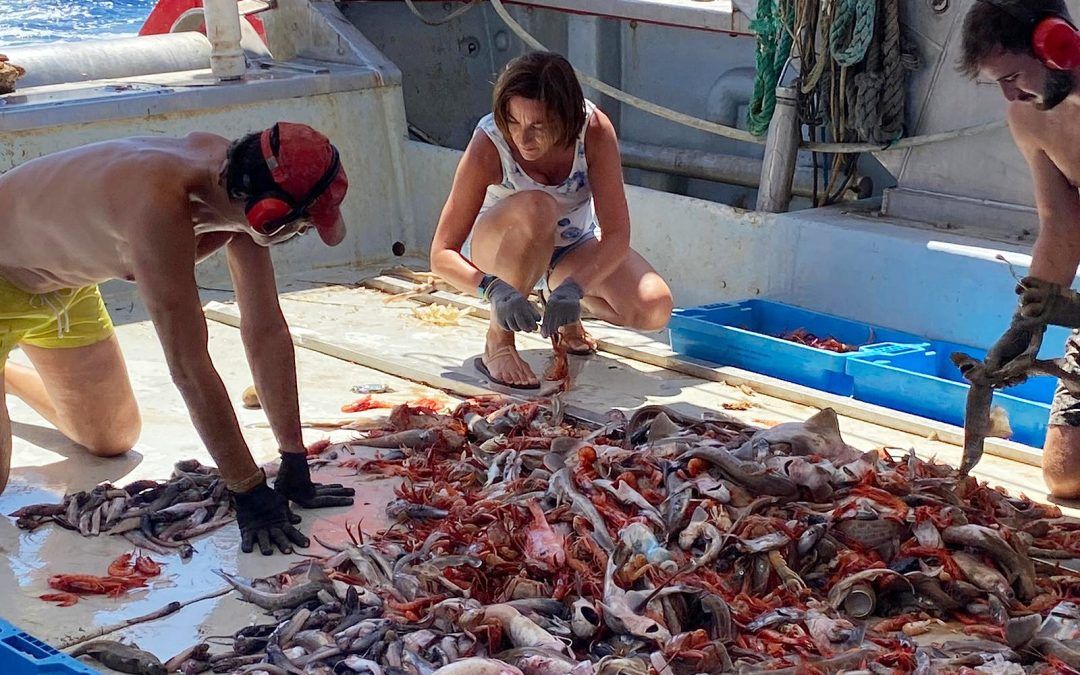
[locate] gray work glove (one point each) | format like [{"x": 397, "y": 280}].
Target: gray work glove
[
  {"x": 1050, "y": 303},
  {"x": 1015, "y": 351},
  {"x": 563, "y": 307},
  {"x": 513, "y": 311}
]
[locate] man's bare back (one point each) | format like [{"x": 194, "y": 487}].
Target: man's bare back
[{"x": 71, "y": 218}]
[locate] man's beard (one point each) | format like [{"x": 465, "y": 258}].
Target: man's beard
[{"x": 1059, "y": 84}]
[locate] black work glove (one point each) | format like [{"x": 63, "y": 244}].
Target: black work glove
[
  {"x": 1051, "y": 303},
  {"x": 264, "y": 516},
  {"x": 513, "y": 311},
  {"x": 294, "y": 484},
  {"x": 563, "y": 307}
]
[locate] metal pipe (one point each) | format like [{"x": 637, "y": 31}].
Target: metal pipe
[
  {"x": 704, "y": 165},
  {"x": 109, "y": 59},
  {"x": 781, "y": 151},
  {"x": 227, "y": 60}
]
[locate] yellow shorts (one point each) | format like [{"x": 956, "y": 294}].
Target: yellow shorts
[{"x": 74, "y": 317}]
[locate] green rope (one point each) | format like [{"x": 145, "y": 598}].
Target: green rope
[
  {"x": 857, "y": 18},
  {"x": 773, "y": 26}
]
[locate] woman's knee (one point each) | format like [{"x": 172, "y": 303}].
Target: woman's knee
[
  {"x": 1061, "y": 462},
  {"x": 654, "y": 308},
  {"x": 658, "y": 314},
  {"x": 538, "y": 211}
]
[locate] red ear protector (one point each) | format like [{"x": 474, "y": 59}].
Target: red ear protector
[
  {"x": 272, "y": 212},
  {"x": 1056, "y": 42}
]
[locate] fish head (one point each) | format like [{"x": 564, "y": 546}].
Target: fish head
[
  {"x": 620, "y": 618},
  {"x": 819, "y": 435},
  {"x": 584, "y": 619}
]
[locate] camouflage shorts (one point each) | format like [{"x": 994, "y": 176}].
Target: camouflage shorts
[{"x": 1065, "y": 410}]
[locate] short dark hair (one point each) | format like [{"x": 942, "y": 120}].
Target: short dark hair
[
  {"x": 548, "y": 78},
  {"x": 246, "y": 172},
  {"x": 1003, "y": 25}
]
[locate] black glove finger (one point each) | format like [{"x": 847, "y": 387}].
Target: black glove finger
[
  {"x": 280, "y": 540},
  {"x": 534, "y": 314},
  {"x": 264, "y": 542},
  {"x": 296, "y": 536},
  {"x": 333, "y": 491},
  {"x": 326, "y": 501},
  {"x": 293, "y": 518},
  {"x": 247, "y": 541}
]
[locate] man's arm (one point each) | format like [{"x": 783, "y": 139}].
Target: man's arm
[
  {"x": 266, "y": 339},
  {"x": 272, "y": 359},
  {"x": 1056, "y": 252},
  {"x": 1055, "y": 255},
  {"x": 164, "y": 253},
  {"x": 164, "y": 267}
]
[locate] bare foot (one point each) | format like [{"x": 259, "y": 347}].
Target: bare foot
[
  {"x": 576, "y": 339},
  {"x": 503, "y": 361}
]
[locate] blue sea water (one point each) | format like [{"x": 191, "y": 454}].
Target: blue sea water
[{"x": 37, "y": 21}]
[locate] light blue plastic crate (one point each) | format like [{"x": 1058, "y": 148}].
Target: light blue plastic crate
[
  {"x": 24, "y": 654},
  {"x": 930, "y": 385},
  {"x": 746, "y": 335}
]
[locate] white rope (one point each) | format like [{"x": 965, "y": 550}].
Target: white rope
[
  {"x": 446, "y": 19},
  {"x": 732, "y": 132},
  {"x": 904, "y": 143}
]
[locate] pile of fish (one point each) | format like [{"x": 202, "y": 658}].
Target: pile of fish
[
  {"x": 158, "y": 516},
  {"x": 665, "y": 544}
]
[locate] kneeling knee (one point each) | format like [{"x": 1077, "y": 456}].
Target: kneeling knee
[
  {"x": 107, "y": 447},
  {"x": 114, "y": 442},
  {"x": 1061, "y": 462},
  {"x": 1061, "y": 485}
]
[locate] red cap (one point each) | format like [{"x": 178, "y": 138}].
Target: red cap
[{"x": 299, "y": 157}]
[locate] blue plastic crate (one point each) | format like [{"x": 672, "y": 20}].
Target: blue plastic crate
[
  {"x": 930, "y": 385},
  {"x": 24, "y": 654},
  {"x": 745, "y": 335}
]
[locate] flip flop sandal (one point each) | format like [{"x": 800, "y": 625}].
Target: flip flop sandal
[
  {"x": 573, "y": 352},
  {"x": 581, "y": 352},
  {"x": 478, "y": 363}
]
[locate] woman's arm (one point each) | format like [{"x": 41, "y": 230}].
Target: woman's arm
[
  {"x": 609, "y": 198},
  {"x": 479, "y": 167}
]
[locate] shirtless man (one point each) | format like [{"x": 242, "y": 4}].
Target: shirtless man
[
  {"x": 1031, "y": 50},
  {"x": 147, "y": 210}
]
